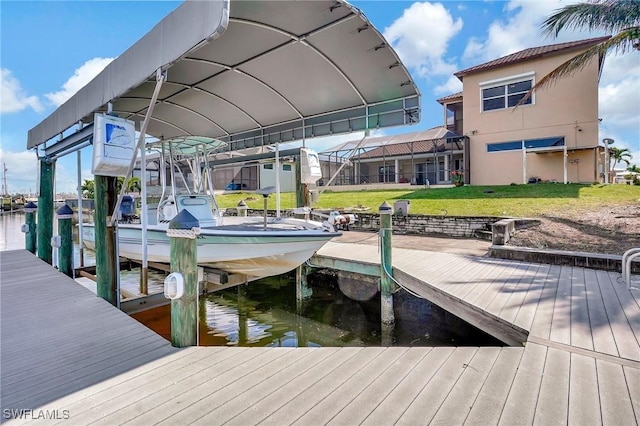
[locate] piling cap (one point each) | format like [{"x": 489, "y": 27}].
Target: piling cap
[
  {"x": 385, "y": 208},
  {"x": 64, "y": 212},
  {"x": 30, "y": 207},
  {"x": 242, "y": 205},
  {"x": 184, "y": 220}
]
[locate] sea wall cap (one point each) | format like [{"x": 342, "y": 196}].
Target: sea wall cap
[
  {"x": 385, "y": 208},
  {"x": 64, "y": 212},
  {"x": 30, "y": 207},
  {"x": 184, "y": 220}
]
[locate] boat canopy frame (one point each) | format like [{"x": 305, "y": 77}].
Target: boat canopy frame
[{"x": 249, "y": 73}]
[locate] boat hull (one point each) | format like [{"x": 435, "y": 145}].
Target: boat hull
[{"x": 257, "y": 253}]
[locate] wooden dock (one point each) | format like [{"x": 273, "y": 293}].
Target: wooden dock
[{"x": 72, "y": 357}]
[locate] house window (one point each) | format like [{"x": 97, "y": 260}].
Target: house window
[
  {"x": 556, "y": 141},
  {"x": 506, "y": 93},
  {"x": 267, "y": 166},
  {"x": 286, "y": 167}
]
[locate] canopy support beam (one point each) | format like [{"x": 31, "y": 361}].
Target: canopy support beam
[{"x": 160, "y": 77}]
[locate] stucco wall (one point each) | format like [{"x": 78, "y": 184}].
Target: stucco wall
[{"x": 569, "y": 108}]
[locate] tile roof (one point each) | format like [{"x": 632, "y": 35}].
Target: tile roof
[
  {"x": 532, "y": 53},
  {"x": 438, "y": 132},
  {"x": 450, "y": 97},
  {"x": 407, "y": 148}
]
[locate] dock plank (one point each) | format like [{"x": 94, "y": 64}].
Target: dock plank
[
  {"x": 458, "y": 404},
  {"x": 261, "y": 400},
  {"x": 581, "y": 333},
  {"x": 425, "y": 406},
  {"x": 601, "y": 333},
  {"x": 203, "y": 390},
  {"x": 517, "y": 294},
  {"x": 328, "y": 408},
  {"x": 561, "y": 321},
  {"x": 543, "y": 317},
  {"x": 615, "y": 401},
  {"x": 533, "y": 298},
  {"x": 40, "y": 319},
  {"x": 584, "y": 401},
  {"x": 394, "y": 405},
  {"x": 362, "y": 405},
  {"x": 625, "y": 339},
  {"x": 487, "y": 407},
  {"x": 312, "y": 395},
  {"x": 523, "y": 396},
  {"x": 632, "y": 376},
  {"x": 553, "y": 401}
]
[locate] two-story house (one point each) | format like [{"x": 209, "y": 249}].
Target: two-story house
[{"x": 553, "y": 136}]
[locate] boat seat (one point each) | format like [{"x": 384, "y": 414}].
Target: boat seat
[{"x": 199, "y": 207}]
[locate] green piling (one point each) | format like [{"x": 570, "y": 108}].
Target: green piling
[
  {"x": 45, "y": 210},
  {"x": 243, "y": 316},
  {"x": 65, "y": 230},
  {"x": 183, "y": 231},
  {"x": 303, "y": 291},
  {"x": 302, "y": 198},
  {"x": 386, "y": 269},
  {"x": 30, "y": 236},
  {"x": 105, "y": 237}
]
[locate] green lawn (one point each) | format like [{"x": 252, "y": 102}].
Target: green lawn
[{"x": 513, "y": 200}]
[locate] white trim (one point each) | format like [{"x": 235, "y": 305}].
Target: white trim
[
  {"x": 510, "y": 79},
  {"x": 505, "y": 81}
]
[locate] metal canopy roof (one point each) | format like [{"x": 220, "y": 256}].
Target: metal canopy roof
[
  {"x": 371, "y": 142},
  {"x": 251, "y": 73}
]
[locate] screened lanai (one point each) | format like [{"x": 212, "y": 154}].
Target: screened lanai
[{"x": 427, "y": 157}]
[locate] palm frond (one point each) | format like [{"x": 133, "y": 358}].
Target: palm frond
[
  {"x": 619, "y": 43},
  {"x": 611, "y": 16}
]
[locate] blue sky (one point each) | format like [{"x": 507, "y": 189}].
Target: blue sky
[{"x": 49, "y": 49}]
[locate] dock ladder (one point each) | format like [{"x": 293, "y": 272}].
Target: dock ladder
[{"x": 627, "y": 258}]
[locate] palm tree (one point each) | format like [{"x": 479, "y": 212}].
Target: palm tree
[
  {"x": 618, "y": 17},
  {"x": 620, "y": 155},
  {"x": 88, "y": 188},
  {"x": 634, "y": 169},
  {"x": 133, "y": 185}
]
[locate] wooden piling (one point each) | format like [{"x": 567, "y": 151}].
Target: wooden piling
[
  {"x": 105, "y": 237},
  {"x": 30, "y": 236},
  {"x": 303, "y": 291},
  {"x": 302, "y": 199},
  {"x": 386, "y": 269},
  {"x": 65, "y": 230},
  {"x": 45, "y": 210},
  {"x": 183, "y": 231}
]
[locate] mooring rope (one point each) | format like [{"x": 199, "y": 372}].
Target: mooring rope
[{"x": 183, "y": 233}]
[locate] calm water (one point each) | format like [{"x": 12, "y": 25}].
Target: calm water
[
  {"x": 12, "y": 238},
  {"x": 265, "y": 312}
]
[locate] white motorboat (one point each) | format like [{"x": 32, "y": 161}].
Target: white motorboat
[{"x": 253, "y": 246}]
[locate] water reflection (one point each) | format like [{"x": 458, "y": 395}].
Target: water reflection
[
  {"x": 265, "y": 313},
  {"x": 12, "y": 238}
]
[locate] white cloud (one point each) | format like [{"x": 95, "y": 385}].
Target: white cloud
[
  {"x": 518, "y": 30},
  {"x": 421, "y": 37},
  {"x": 22, "y": 169},
  {"x": 620, "y": 103},
  {"x": 619, "y": 89},
  {"x": 12, "y": 96},
  {"x": 452, "y": 85},
  {"x": 79, "y": 79}
]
